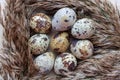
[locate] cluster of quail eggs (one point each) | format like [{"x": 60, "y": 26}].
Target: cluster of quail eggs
[{"x": 52, "y": 43}]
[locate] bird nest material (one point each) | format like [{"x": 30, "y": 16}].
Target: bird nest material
[{"x": 16, "y": 62}]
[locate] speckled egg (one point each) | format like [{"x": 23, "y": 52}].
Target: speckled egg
[
  {"x": 38, "y": 43},
  {"x": 44, "y": 62},
  {"x": 82, "y": 49},
  {"x": 59, "y": 42},
  {"x": 83, "y": 28},
  {"x": 64, "y": 63},
  {"x": 40, "y": 23},
  {"x": 63, "y": 19}
]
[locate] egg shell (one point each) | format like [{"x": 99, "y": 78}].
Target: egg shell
[
  {"x": 83, "y": 28},
  {"x": 38, "y": 43},
  {"x": 64, "y": 63},
  {"x": 45, "y": 62},
  {"x": 63, "y": 19},
  {"x": 40, "y": 23},
  {"x": 82, "y": 49},
  {"x": 59, "y": 42}
]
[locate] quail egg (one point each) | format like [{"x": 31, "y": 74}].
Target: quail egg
[
  {"x": 44, "y": 62},
  {"x": 59, "y": 42},
  {"x": 83, "y": 28},
  {"x": 63, "y": 19},
  {"x": 82, "y": 49},
  {"x": 38, "y": 43},
  {"x": 40, "y": 23},
  {"x": 64, "y": 63}
]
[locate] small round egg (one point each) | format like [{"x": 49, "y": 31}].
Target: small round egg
[
  {"x": 40, "y": 23},
  {"x": 45, "y": 62},
  {"x": 38, "y": 43},
  {"x": 63, "y": 19},
  {"x": 83, "y": 28},
  {"x": 64, "y": 63},
  {"x": 59, "y": 42},
  {"x": 82, "y": 49}
]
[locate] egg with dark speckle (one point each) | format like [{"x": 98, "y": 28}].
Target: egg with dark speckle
[
  {"x": 64, "y": 63},
  {"x": 59, "y": 42},
  {"x": 63, "y": 19},
  {"x": 40, "y": 23},
  {"x": 83, "y": 28},
  {"x": 82, "y": 49},
  {"x": 45, "y": 62},
  {"x": 38, "y": 43}
]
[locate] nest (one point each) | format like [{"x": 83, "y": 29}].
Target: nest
[{"x": 16, "y": 61}]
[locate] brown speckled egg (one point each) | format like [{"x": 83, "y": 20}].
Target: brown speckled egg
[
  {"x": 83, "y": 28},
  {"x": 59, "y": 42},
  {"x": 44, "y": 62},
  {"x": 38, "y": 43},
  {"x": 40, "y": 23},
  {"x": 64, "y": 63},
  {"x": 63, "y": 19},
  {"x": 82, "y": 49}
]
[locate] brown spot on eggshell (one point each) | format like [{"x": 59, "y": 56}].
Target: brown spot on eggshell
[
  {"x": 75, "y": 50},
  {"x": 66, "y": 64},
  {"x": 63, "y": 18},
  {"x": 75, "y": 28},
  {"x": 56, "y": 49},
  {"x": 66, "y": 20},
  {"x": 73, "y": 17},
  {"x": 93, "y": 28},
  {"x": 77, "y": 32},
  {"x": 40, "y": 23},
  {"x": 71, "y": 67},
  {"x": 45, "y": 39},
  {"x": 66, "y": 12},
  {"x": 56, "y": 21},
  {"x": 36, "y": 51},
  {"x": 70, "y": 16},
  {"x": 54, "y": 28},
  {"x": 68, "y": 27},
  {"x": 86, "y": 21},
  {"x": 64, "y": 58},
  {"x": 44, "y": 46},
  {"x": 83, "y": 52},
  {"x": 49, "y": 29},
  {"x": 84, "y": 32},
  {"x": 34, "y": 40},
  {"x": 67, "y": 37}
]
